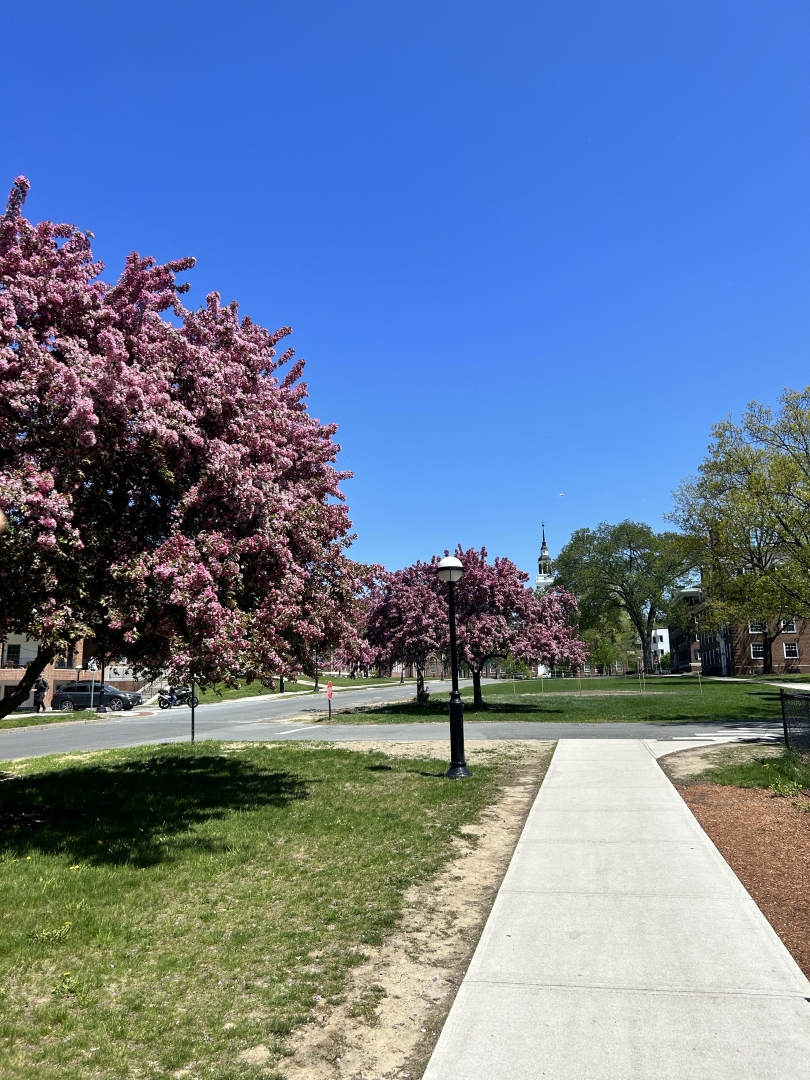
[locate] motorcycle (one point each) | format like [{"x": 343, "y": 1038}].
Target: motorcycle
[{"x": 182, "y": 696}]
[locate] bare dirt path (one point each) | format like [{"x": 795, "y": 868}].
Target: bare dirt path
[{"x": 397, "y": 1000}]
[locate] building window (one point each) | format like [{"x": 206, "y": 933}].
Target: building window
[
  {"x": 791, "y": 650},
  {"x": 12, "y": 655},
  {"x": 788, "y": 626},
  {"x": 756, "y": 628},
  {"x": 757, "y": 650}
]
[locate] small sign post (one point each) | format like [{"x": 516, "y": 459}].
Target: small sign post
[{"x": 329, "y": 697}]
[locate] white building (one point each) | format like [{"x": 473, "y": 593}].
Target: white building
[{"x": 659, "y": 645}]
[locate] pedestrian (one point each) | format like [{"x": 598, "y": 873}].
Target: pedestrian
[{"x": 40, "y": 690}]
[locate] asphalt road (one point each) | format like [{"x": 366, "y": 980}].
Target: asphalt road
[{"x": 300, "y": 719}]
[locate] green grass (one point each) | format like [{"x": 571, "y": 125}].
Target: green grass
[
  {"x": 602, "y": 701},
  {"x": 165, "y": 908},
  {"x": 35, "y": 719},
  {"x": 232, "y": 693},
  {"x": 344, "y": 680},
  {"x": 788, "y": 774},
  {"x": 256, "y": 689},
  {"x": 780, "y": 678}
]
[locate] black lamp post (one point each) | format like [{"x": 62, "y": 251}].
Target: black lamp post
[
  {"x": 102, "y": 708},
  {"x": 451, "y": 571}
]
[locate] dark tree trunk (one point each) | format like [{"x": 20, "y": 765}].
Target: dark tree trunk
[
  {"x": 478, "y": 697},
  {"x": 767, "y": 654},
  {"x": 26, "y": 684},
  {"x": 422, "y": 695},
  {"x": 402, "y": 674}
]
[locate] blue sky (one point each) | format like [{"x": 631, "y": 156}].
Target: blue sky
[{"x": 526, "y": 248}]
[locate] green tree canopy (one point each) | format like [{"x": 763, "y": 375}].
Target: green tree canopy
[
  {"x": 747, "y": 514},
  {"x": 625, "y": 568}
]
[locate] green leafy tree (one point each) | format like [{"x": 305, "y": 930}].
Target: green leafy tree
[
  {"x": 745, "y": 523},
  {"x": 625, "y": 568}
]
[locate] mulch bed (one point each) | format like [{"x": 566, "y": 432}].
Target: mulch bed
[{"x": 766, "y": 842}]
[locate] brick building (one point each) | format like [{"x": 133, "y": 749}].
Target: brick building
[
  {"x": 17, "y": 652},
  {"x": 740, "y": 650},
  {"x": 684, "y": 642}
]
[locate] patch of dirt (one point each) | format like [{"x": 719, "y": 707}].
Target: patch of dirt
[
  {"x": 766, "y": 841},
  {"x": 397, "y": 1000},
  {"x": 256, "y": 1055}
]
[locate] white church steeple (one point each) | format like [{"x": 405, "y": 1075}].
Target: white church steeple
[{"x": 544, "y": 575}]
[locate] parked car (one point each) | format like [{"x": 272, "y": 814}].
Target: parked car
[{"x": 77, "y": 696}]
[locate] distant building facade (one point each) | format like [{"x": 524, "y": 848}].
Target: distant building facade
[
  {"x": 18, "y": 651},
  {"x": 684, "y": 642},
  {"x": 740, "y": 650}
]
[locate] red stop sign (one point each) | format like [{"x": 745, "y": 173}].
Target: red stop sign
[{"x": 329, "y": 690}]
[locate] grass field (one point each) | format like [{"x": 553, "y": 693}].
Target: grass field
[
  {"x": 231, "y": 693},
  {"x": 166, "y": 908},
  {"x": 600, "y": 701},
  {"x": 344, "y": 680},
  {"x": 256, "y": 689},
  {"x": 33, "y": 719}
]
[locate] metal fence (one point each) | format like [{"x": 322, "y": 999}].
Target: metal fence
[{"x": 796, "y": 720}]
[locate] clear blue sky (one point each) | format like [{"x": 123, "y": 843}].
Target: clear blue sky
[{"x": 526, "y": 247}]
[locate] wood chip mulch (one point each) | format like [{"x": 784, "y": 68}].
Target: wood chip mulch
[{"x": 766, "y": 842}]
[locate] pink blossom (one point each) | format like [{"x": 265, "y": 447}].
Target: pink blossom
[{"x": 166, "y": 488}]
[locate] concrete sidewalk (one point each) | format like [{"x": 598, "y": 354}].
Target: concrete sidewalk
[{"x": 622, "y": 947}]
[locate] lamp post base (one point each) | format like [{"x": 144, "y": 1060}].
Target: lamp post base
[{"x": 458, "y": 772}]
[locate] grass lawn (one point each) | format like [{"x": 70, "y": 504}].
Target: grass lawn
[
  {"x": 230, "y": 693},
  {"x": 256, "y": 689},
  {"x": 32, "y": 719},
  {"x": 787, "y": 774},
  {"x": 344, "y": 680},
  {"x": 781, "y": 678},
  {"x": 601, "y": 701},
  {"x": 167, "y": 908}
]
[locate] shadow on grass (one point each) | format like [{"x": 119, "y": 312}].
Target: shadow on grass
[
  {"x": 440, "y": 710},
  {"x": 750, "y": 705},
  {"x": 134, "y": 812}
]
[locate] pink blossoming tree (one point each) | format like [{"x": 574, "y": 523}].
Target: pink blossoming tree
[
  {"x": 498, "y": 615},
  {"x": 408, "y": 619},
  {"x": 165, "y": 488}
]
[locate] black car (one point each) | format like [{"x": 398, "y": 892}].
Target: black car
[{"x": 78, "y": 696}]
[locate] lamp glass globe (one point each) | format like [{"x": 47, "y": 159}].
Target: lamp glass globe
[{"x": 450, "y": 569}]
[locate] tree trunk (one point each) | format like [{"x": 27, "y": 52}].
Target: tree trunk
[
  {"x": 767, "y": 654},
  {"x": 478, "y": 697},
  {"x": 402, "y": 674},
  {"x": 422, "y": 695},
  {"x": 26, "y": 684}
]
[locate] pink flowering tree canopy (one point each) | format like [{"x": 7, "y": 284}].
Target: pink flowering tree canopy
[
  {"x": 498, "y": 615},
  {"x": 408, "y": 619},
  {"x": 166, "y": 490}
]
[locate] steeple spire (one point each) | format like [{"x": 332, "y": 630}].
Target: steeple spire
[{"x": 544, "y": 564}]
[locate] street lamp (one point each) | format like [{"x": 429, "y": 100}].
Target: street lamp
[{"x": 450, "y": 570}]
